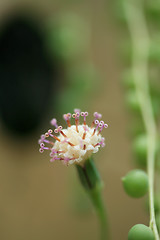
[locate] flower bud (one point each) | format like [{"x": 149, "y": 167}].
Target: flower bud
[
  {"x": 140, "y": 232},
  {"x": 135, "y": 183}
]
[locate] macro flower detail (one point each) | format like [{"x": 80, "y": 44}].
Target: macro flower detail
[{"x": 77, "y": 142}]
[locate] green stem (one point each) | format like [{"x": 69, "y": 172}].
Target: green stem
[
  {"x": 96, "y": 197},
  {"x": 92, "y": 183},
  {"x": 140, "y": 46}
]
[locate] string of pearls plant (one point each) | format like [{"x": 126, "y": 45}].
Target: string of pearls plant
[{"x": 140, "y": 39}]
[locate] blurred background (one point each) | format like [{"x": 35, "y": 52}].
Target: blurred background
[{"x": 56, "y": 56}]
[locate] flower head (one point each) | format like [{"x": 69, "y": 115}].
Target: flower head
[{"x": 77, "y": 142}]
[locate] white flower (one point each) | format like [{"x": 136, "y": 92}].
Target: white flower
[{"x": 76, "y": 143}]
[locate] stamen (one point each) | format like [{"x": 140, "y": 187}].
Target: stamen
[
  {"x": 53, "y": 152},
  {"x": 49, "y": 142},
  {"x": 47, "y": 148},
  {"x": 76, "y": 116},
  {"x": 100, "y": 143},
  {"x": 77, "y": 110},
  {"x": 53, "y": 136},
  {"x": 54, "y": 122},
  {"x": 44, "y": 148},
  {"x": 64, "y": 135},
  {"x": 102, "y": 125},
  {"x": 59, "y": 129},
  {"x": 54, "y": 158},
  {"x": 47, "y": 134},
  {"x": 42, "y": 145},
  {"x": 50, "y": 131},
  {"x": 97, "y": 123},
  {"x": 96, "y": 116},
  {"x": 66, "y": 141},
  {"x": 71, "y": 144},
  {"x": 42, "y": 136},
  {"x": 84, "y": 147},
  {"x": 67, "y": 118},
  {"x": 41, "y": 150},
  {"x": 65, "y": 159},
  {"x": 41, "y": 139},
  {"x": 84, "y": 114},
  {"x": 84, "y": 134},
  {"x": 56, "y": 138}
]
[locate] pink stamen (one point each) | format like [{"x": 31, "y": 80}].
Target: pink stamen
[
  {"x": 52, "y": 153},
  {"x": 54, "y": 122},
  {"x": 41, "y": 150},
  {"x": 95, "y": 129},
  {"x": 44, "y": 148},
  {"x": 47, "y": 134},
  {"x": 41, "y": 140},
  {"x": 66, "y": 160},
  {"x": 53, "y": 136},
  {"x": 77, "y": 110},
  {"x": 56, "y": 138},
  {"x": 67, "y": 118},
  {"x": 76, "y": 116},
  {"x": 49, "y": 142},
  {"x": 47, "y": 148},
  {"x": 59, "y": 129},
  {"x": 84, "y": 114},
  {"x": 102, "y": 125},
  {"x": 54, "y": 158},
  {"x": 100, "y": 143},
  {"x": 96, "y": 116}
]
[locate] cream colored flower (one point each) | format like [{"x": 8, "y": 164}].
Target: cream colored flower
[{"x": 76, "y": 143}]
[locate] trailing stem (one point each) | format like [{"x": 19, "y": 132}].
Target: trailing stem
[{"x": 140, "y": 49}]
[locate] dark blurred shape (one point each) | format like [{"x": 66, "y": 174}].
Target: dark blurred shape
[{"x": 26, "y": 76}]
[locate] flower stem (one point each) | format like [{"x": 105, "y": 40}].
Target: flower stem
[
  {"x": 92, "y": 183},
  {"x": 97, "y": 200},
  {"x": 140, "y": 48}
]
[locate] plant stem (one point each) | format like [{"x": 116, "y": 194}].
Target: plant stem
[
  {"x": 96, "y": 197},
  {"x": 91, "y": 181},
  {"x": 140, "y": 47}
]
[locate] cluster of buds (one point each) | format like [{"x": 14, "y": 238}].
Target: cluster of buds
[{"x": 77, "y": 142}]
